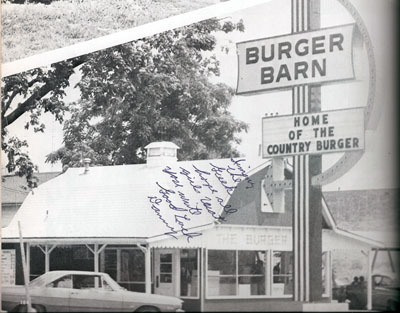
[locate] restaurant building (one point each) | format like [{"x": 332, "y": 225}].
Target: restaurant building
[{"x": 204, "y": 231}]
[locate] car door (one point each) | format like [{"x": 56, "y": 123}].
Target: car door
[
  {"x": 55, "y": 295},
  {"x": 91, "y": 294}
]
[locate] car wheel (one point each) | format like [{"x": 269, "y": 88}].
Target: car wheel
[
  {"x": 23, "y": 308},
  {"x": 392, "y": 305},
  {"x": 147, "y": 309},
  {"x": 39, "y": 308}
]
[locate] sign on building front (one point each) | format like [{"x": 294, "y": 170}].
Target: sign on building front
[
  {"x": 8, "y": 267},
  {"x": 311, "y": 57}
]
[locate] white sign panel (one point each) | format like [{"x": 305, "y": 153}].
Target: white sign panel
[
  {"x": 313, "y": 133},
  {"x": 8, "y": 267},
  {"x": 303, "y": 58},
  {"x": 227, "y": 237}
]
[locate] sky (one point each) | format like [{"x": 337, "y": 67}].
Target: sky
[{"x": 374, "y": 170}]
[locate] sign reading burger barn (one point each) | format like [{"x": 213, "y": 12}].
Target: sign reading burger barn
[{"x": 303, "y": 58}]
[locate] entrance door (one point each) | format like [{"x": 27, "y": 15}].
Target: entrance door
[{"x": 166, "y": 276}]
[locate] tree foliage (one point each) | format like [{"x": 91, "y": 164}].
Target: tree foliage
[
  {"x": 33, "y": 92},
  {"x": 158, "y": 88}
]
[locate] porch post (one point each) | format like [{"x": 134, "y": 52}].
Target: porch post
[
  {"x": 148, "y": 269},
  {"x": 369, "y": 281},
  {"x": 96, "y": 257},
  {"x": 47, "y": 257},
  {"x": 46, "y": 260},
  {"x": 47, "y": 252}
]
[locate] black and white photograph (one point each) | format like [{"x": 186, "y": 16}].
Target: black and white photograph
[{"x": 199, "y": 156}]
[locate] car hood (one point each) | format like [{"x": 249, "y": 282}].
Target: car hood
[
  {"x": 152, "y": 298},
  {"x": 127, "y": 295}
]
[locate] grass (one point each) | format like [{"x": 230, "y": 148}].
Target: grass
[{"x": 28, "y": 29}]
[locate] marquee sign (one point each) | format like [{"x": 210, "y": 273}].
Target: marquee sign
[
  {"x": 8, "y": 267},
  {"x": 325, "y": 132},
  {"x": 312, "y": 57}
]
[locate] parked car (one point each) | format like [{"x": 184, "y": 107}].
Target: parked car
[
  {"x": 78, "y": 291},
  {"x": 385, "y": 293}
]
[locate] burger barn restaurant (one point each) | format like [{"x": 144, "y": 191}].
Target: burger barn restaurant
[{"x": 203, "y": 231}]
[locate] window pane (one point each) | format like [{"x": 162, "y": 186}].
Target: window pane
[
  {"x": 154, "y": 151},
  {"x": 132, "y": 265},
  {"x": 189, "y": 273},
  {"x": 110, "y": 263},
  {"x": 166, "y": 257},
  {"x": 63, "y": 282},
  {"x": 252, "y": 264},
  {"x": 166, "y": 268},
  {"x": 165, "y": 278},
  {"x": 253, "y": 285},
  {"x": 221, "y": 286},
  {"x": 85, "y": 282},
  {"x": 221, "y": 262},
  {"x": 283, "y": 273}
]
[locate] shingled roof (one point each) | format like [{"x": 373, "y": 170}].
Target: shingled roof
[
  {"x": 113, "y": 201},
  {"x": 365, "y": 210}
]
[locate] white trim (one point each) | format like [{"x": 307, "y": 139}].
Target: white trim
[
  {"x": 327, "y": 215},
  {"x": 78, "y": 241},
  {"x": 351, "y": 235}
]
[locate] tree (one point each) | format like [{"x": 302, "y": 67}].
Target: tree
[
  {"x": 33, "y": 92},
  {"x": 157, "y": 88},
  {"x": 151, "y": 89}
]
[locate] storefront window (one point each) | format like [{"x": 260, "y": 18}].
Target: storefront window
[
  {"x": 232, "y": 273},
  {"x": 132, "y": 266},
  {"x": 282, "y": 283},
  {"x": 110, "y": 263},
  {"x": 189, "y": 273},
  {"x": 221, "y": 275},
  {"x": 127, "y": 267},
  {"x": 251, "y": 273}
]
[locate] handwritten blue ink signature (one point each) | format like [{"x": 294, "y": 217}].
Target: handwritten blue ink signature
[{"x": 188, "y": 210}]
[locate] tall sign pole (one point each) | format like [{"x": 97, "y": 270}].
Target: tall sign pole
[
  {"x": 307, "y": 232},
  {"x": 302, "y": 61}
]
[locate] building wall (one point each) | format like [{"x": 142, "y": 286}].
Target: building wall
[
  {"x": 248, "y": 203},
  {"x": 8, "y": 211},
  {"x": 260, "y": 305}
]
